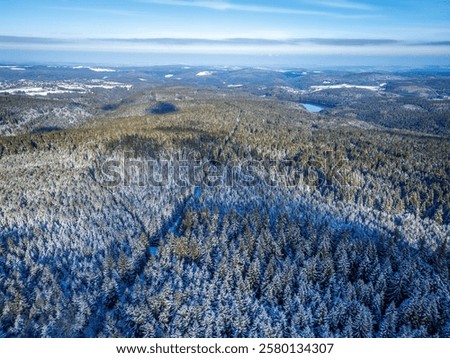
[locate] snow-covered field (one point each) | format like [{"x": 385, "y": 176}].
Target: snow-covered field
[
  {"x": 94, "y": 69},
  {"x": 380, "y": 87},
  {"x": 204, "y": 73},
  {"x": 34, "y": 91},
  {"x": 39, "y": 88}
]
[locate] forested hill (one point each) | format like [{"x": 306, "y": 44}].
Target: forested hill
[{"x": 291, "y": 224}]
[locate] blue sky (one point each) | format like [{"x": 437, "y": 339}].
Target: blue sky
[{"x": 176, "y": 31}]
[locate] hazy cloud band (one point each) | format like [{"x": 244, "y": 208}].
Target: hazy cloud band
[{"x": 232, "y": 45}]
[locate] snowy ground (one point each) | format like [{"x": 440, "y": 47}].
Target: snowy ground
[
  {"x": 42, "y": 88},
  {"x": 345, "y": 85}
]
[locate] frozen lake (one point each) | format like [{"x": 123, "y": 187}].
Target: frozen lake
[{"x": 312, "y": 107}]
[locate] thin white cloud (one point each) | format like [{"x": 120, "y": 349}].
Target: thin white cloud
[
  {"x": 343, "y": 4},
  {"x": 105, "y": 11},
  {"x": 385, "y": 47},
  {"x": 222, "y": 5}
]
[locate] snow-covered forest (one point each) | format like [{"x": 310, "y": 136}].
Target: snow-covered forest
[{"x": 358, "y": 249}]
